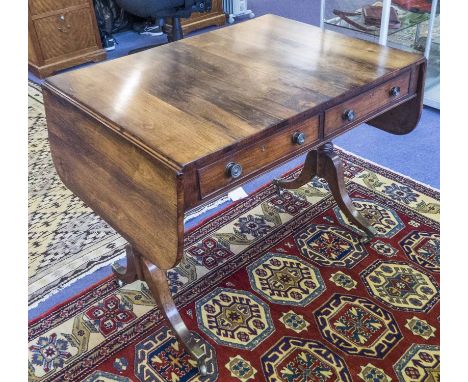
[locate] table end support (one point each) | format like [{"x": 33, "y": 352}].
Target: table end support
[
  {"x": 309, "y": 171},
  {"x": 330, "y": 167},
  {"x": 129, "y": 273},
  {"x": 139, "y": 268},
  {"x": 326, "y": 164}
]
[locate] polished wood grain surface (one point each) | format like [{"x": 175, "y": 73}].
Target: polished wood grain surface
[
  {"x": 74, "y": 33},
  {"x": 61, "y": 33},
  {"x": 205, "y": 94},
  {"x": 135, "y": 195}
]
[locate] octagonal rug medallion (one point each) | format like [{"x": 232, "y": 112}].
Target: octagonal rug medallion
[
  {"x": 285, "y": 279},
  {"x": 234, "y": 318},
  {"x": 423, "y": 248},
  {"x": 330, "y": 246},
  {"x": 296, "y": 359},
  {"x": 357, "y": 326},
  {"x": 401, "y": 286}
]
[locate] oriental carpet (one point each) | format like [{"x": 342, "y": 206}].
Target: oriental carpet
[{"x": 276, "y": 288}]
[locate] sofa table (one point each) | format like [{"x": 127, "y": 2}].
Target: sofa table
[{"x": 145, "y": 138}]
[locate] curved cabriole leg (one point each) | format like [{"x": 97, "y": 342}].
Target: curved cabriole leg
[
  {"x": 324, "y": 163},
  {"x": 307, "y": 174},
  {"x": 330, "y": 168},
  {"x": 157, "y": 282},
  {"x": 139, "y": 268},
  {"x": 130, "y": 273}
]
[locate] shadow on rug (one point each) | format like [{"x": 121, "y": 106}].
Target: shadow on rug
[{"x": 292, "y": 295}]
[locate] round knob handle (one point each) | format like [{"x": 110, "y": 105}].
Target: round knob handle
[
  {"x": 349, "y": 115},
  {"x": 234, "y": 170},
  {"x": 395, "y": 91},
  {"x": 299, "y": 138}
]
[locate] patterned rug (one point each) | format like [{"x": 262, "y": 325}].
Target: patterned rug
[
  {"x": 66, "y": 239},
  {"x": 292, "y": 295}
]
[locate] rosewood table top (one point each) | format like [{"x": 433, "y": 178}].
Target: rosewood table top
[{"x": 207, "y": 93}]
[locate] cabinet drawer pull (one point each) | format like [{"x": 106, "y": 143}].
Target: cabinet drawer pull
[
  {"x": 234, "y": 170},
  {"x": 63, "y": 27},
  {"x": 395, "y": 91},
  {"x": 299, "y": 138},
  {"x": 349, "y": 115}
]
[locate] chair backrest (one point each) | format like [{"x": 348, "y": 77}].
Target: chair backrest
[{"x": 155, "y": 8}]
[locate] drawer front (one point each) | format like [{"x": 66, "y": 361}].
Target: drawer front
[
  {"x": 359, "y": 108},
  {"x": 38, "y": 7},
  {"x": 65, "y": 33},
  {"x": 217, "y": 175}
]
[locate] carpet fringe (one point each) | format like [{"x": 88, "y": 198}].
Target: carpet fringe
[
  {"x": 71, "y": 282},
  {"x": 206, "y": 207}
]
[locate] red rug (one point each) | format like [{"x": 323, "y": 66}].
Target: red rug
[{"x": 277, "y": 288}]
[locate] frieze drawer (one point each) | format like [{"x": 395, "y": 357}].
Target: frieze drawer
[
  {"x": 234, "y": 168},
  {"x": 360, "y": 107}
]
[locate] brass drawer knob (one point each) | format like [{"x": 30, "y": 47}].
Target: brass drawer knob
[
  {"x": 299, "y": 138},
  {"x": 234, "y": 170},
  {"x": 395, "y": 91},
  {"x": 349, "y": 115}
]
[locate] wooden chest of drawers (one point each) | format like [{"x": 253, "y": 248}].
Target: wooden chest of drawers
[{"x": 62, "y": 34}]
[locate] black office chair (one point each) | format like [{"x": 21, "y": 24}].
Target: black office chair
[{"x": 166, "y": 8}]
